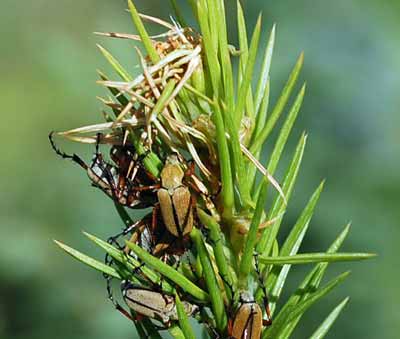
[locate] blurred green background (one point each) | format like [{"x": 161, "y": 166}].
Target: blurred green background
[{"x": 48, "y": 60}]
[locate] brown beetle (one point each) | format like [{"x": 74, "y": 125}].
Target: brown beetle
[
  {"x": 155, "y": 305},
  {"x": 248, "y": 320},
  {"x": 175, "y": 199},
  {"x": 127, "y": 183}
]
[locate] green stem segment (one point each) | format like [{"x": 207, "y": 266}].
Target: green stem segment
[
  {"x": 248, "y": 251},
  {"x": 217, "y": 303},
  {"x": 216, "y": 241},
  {"x": 164, "y": 97},
  {"x": 183, "y": 318},
  {"x": 176, "y": 332},
  {"x": 225, "y": 165},
  {"x": 143, "y": 33},
  {"x": 151, "y": 161}
]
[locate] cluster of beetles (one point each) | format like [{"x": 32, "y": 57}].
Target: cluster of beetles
[
  {"x": 169, "y": 203},
  {"x": 163, "y": 232}
]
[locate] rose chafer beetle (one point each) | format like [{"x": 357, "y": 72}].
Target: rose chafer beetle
[
  {"x": 126, "y": 182},
  {"x": 248, "y": 320},
  {"x": 154, "y": 305},
  {"x": 175, "y": 199}
]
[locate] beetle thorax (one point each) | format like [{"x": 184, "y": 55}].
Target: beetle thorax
[
  {"x": 246, "y": 297},
  {"x": 171, "y": 177}
]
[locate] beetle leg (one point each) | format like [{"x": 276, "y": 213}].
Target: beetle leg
[
  {"x": 113, "y": 240},
  {"x": 176, "y": 265},
  {"x": 195, "y": 184},
  {"x": 198, "y": 186},
  {"x": 195, "y": 187},
  {"x": 132, "y": 170},
  {"x": 154, "y": 218},
  {"x": 108, "y": 186},
  {"x": 151, "y": 176},
  {"x": 148, "y": 188},
  {"x": 121, "y": 183},
  {"x": 191, "y": 168},
  {"x": 138, "y": 269},
  {"x": 97, "y": 181},
  {"x": 216, "y": 335},
  {"x": 135, "y": 237},
  {"x": 110, "y": 296},
  {"x": 268, "y": 321},
  {"x": 165, "y": 243},
  {"x": 140, "y": 162},
  {"x": 126, "y": 134},
  {"x": 114, "y": 187}
]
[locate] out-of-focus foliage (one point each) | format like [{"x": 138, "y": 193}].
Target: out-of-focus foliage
[{"x": 47, "y": 66}]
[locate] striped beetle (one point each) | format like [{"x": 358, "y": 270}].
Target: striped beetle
[
  {"x": 248, "y": 320},
  {"x": 153, "y": 304},
  {"x": 175, "y": 199},
  {"x": 127, "y": 183}
]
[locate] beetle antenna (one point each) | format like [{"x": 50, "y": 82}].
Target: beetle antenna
[
  {"x": 113, "y": 240},
  {"x": 64, "y": 155}
]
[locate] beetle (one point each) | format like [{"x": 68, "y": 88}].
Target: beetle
[
  {"x": 152, "y": 304},
  {"x": 159, "y": 242},
  {"x": 175, "y": 199},
  {"x": 126, "y": 183},
  {"x": 163, "y": 235},
  {"x": 248, "y": 320}
]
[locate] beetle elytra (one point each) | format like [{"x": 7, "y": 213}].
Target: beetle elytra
[
  {"x": 175, "y": 199},
  {"x": 155, "y": 305}
]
